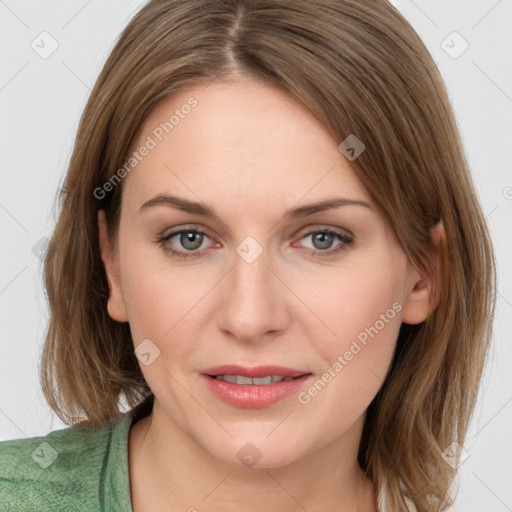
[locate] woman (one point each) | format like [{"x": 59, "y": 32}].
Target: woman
[{"x": 271, "y": 248}]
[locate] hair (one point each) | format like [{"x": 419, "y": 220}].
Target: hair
[{"x": 360, "y": 68}]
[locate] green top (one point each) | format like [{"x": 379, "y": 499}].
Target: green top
[{"x": 69, "y": 470}]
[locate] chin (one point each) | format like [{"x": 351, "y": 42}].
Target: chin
[{"x": 260, "y": 453}]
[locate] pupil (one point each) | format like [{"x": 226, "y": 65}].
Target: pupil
[
  {"x": 325, "y": 240},
  {"x": 187, "y": 240}
]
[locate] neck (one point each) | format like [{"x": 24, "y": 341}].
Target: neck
[{"x": 170, "y": 471}]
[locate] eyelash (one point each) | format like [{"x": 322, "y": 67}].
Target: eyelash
[{"x": 345, "y": 239}]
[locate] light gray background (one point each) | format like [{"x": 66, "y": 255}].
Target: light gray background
[{"x": 41, "y": 101}]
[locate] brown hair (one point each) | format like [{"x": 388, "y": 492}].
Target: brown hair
[{"x": 361, "y": 69}]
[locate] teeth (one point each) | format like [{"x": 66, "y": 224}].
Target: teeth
[
  {"x": 240, "y": 379},
  {"x": 262, "y": 380},
  {"x": 230, "y": 378},
  {"x": 258, "y": 381}
]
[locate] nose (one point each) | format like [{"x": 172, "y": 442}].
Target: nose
[{"x": 254, "y": 303}]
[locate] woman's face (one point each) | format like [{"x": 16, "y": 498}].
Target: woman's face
[{"x": 262, "y": 279}]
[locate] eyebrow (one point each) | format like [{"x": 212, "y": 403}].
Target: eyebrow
[{"x": 197, "y": 208}]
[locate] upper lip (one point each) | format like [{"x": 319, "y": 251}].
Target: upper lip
[{"x": 255, "y": 371}]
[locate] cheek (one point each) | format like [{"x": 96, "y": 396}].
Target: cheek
[
  {"x": 163, "y": 302},
  {"x": 157, "y": 303},
  {"x": 362, "y": 310},
  {"x": 161, "y": 308},
  {"x": 355, "y": 301}
]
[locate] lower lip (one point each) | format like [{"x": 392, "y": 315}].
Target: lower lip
[{"x": 254, "y": 396}]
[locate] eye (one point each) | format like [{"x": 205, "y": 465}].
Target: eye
[
  {"x": 322, "y": 240},
  {"x": 190, "y": 239},
  {"x": 193, "y": 240}
]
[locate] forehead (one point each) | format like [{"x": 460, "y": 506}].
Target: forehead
[{"x": 241, "y": 141}]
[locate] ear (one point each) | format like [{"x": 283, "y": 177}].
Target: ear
[
  {"x": 423, "y": 296},
  {"x": 115, "y": 305}
]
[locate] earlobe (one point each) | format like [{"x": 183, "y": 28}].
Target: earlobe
[
  {"x": 423, "y": 296},
  {"x": 115, "y": 305}
]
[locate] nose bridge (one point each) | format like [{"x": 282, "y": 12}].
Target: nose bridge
[{"x": 252, "y": 302}]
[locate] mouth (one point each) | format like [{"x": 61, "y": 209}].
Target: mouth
[
  {"x": 255, "y": 387},
  {"x": 257, "y": 375},
  {"x": 254, "y": 381}
]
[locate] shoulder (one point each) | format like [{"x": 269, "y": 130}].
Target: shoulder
[{"x": 59, "y": 471}]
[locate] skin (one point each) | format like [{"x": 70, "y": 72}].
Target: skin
[{"x": 252, "y": 153}]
